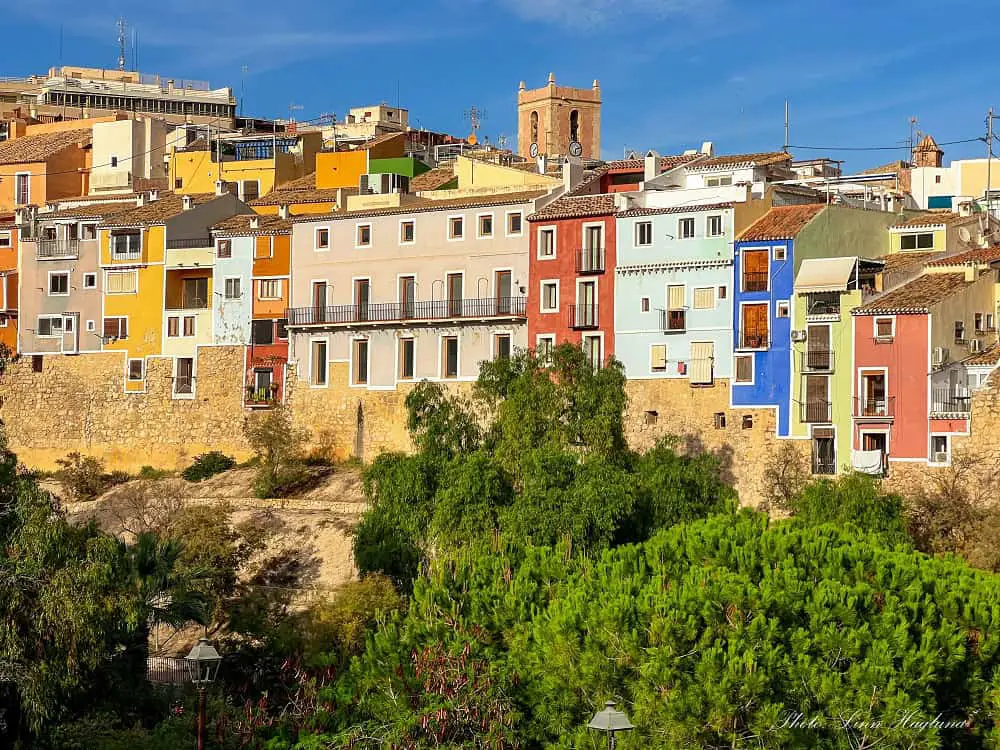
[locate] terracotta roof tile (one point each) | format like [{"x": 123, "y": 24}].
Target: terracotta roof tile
[
  {"x": 307, "y": 195},
  {"x": 731, "y": 160},
  {"x": 901, "y": 261},
  {"x": 306, "y": 182},
  {"x": 673, "y": 210},
  {"x": 240, "y": 225},
  {"x": 915, "y": 297},
  {"x": 433, "y": 179},
  {"x": 932, "y": 218},
  {"x": 156, "y": 212},
  {"x": 782, "y": 223},
  {"x": 90, "y": 211},
  {"x": 989, "y": 357},
  {"x": 895, "y": 166},
  {"x": 971, "y": 257},
  {"x": 576, "y": 206},
  {"x": 928, "y": 144},
  {"x": 421, "y": 205},
  {"x": 39, "y": 147},
  {"x": 666, "y": 162}
]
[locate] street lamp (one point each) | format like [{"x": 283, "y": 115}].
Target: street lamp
[
  {"x": 610, "y": 721},
  {"x": 203, "y": 667}
]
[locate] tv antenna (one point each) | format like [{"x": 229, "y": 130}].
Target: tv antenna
[
  {"x": 122, "y": 41},
  {"x": 475, "y": 116}
]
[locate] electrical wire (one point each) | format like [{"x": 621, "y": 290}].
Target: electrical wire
[{"x": 904, "y": 147}]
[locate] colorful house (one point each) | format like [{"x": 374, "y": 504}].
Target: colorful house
[
  {"x": 343, "y": 168},
  {"x": 941, "y": 231},
  {"x": 909, "y": 401},
  {"x": 36, "y": 169},
  {"x": 9, "y": 255}
]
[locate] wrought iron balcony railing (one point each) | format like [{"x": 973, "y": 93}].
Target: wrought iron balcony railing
[{"x": 396, "y": 312}]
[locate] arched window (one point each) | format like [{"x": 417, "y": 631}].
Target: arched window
[
  {"x": 534, "y": 127},
  {"x": 574, "y": 125}
]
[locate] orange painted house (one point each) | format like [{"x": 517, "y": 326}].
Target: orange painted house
[
  {"x": 8, "y": 282},
  {"x": 343, "y": 169}
]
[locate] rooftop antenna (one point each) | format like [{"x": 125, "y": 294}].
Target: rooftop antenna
[
  {"x": 243, "y": 88},
  {"x": 913, "y": 136},
  {"x": 122, "y": 41},
  {"x": 785, "y": 148},
  {"x": 475, "y": 116}
]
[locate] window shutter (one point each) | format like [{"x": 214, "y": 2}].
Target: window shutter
[
  {"x": 658, "y": 357},
  {"x": 675, "y": 297},
  {"x": 702, "y": 361},
  {"x": 744, "y": 369},
  {"x": 704, "y": 298}
]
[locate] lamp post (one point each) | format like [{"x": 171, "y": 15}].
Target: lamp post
[
  {"x": 203, "y": 667},
  {"x": 610, "y": 721}
]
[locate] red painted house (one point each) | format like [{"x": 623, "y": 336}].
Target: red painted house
[
  {"x": 572, "y": 261},
  {"x": 910, "y": 391},
  {"x": 624, "y": 175}
]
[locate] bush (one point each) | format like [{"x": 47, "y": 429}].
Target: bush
[
  {"x": 149, "y": 473},
  {"x": 208, "y": 465},
  {"x": 117, "y": 477},
  {"x": 82, "y": 477},
  {"x": 278, "y": 445}
]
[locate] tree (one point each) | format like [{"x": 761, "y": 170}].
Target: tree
[{"x": 278, "y": 445}]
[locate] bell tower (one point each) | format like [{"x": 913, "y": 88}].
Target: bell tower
[{"x": 556, "y": 118}]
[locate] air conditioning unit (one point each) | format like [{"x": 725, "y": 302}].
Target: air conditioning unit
[
  {"x": 941, "y": 458},
  {"x": 940, "y": 355},
  {"x": 975, "y": 346},
  {"x": 798, "y": 335}
]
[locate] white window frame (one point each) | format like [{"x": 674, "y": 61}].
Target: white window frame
[
  {"x": 708, "y": 225},
  {"x": 447, "y": 229},
  {"x": 91, "y": 326},
  {"x": 479, "y": 225},
  {"x": 496, "y": 337},
  {"x": 260, "y": 289},
  {"x": 128, "y": 369},
  {"x": 779, "y": 253},
  {"x": 109, "y": 273},
  {"x": 242, "y": 192},
  {"x": 590, "y": 225},
  {"x": 555, "y": 241},
  {"x": 783, "y": 304},
  {"x": 84, "y": 225},
  {"x": 90, "y": 276},
  {"x": 595, "y": 335},
  {"x": 399, "y": 236},
  {"x": 930, "y": 448},
  {"x": 720, "y": 180},
  {"x": 666, "y": 361},
  {"x": 166, "y": 329},
  {"x": 541, "y": 300},
  {"x": 194, "y": 379},
  {"x": 329, "y": 240},
  {"x": 49, "y": 287},
  {"x": 694, "y": 228},
  {"x": 129, "y": 250},
  {"x": 548, "y": 337},
  {"x": 876, "y": 319},
  {"x": 368, "y": 362},
  {"x": 18, "y": 176},
  {"x": 753, "y": 368},
  {"x": 694, "y": 296},
  {"x": 225, "y": 287},
  {"x": 399, "y": 361},
  {"x": 6, "y": 240},
  {"x": 312, "y": 346},
  {"x": 357, "y": 235},
  {"x": 458, "y": 358},
  {"x": 38, "y": 321},
  {"x": 766, "y": 250},
  {"x": 637, "y": 232},
  {"x": 506, "y": 225}
]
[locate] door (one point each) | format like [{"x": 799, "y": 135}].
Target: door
[
  {"x": 824, "y": 451},
  {"x": 71, "y": 333},
  {"x": 754, "y": 326},
  {"x": 593, "y": 248},
  {"x": 755, "y": 270},
  {"x": 455, "y": 295},
  {"x": 818, "y": 355},
  {"x": 319, "y": 301},
  {"x": 407, "y": 296},
  {"x": 184, "y": 380},
  {"x": 586, "y": 304},
  {"x": 262, "y": 385},
  {"x": 502, "y": 287},
  {"x": 362, "y": 293},
  {"x": 817, "y": 398},
  {"x": 877, "y": 441},
  {"x": 873, "y": 399}
]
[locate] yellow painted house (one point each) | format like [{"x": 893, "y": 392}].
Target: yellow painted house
[
  {"x": 138, "y": 286},
  {"x": 939, "y": 231}
]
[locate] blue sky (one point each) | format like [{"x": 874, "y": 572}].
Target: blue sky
[{"x": 673, "y": 73}]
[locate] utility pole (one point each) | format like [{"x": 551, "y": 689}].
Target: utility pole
[
  {"x": 989, "y": 159},
  {"x": 785, "y": 149}
]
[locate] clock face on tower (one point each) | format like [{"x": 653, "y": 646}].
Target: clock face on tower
[
  {"x": 533, "y": 150},
  {"x": 575, "y": 149}
]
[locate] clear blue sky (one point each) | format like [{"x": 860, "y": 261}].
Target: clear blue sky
[{"x": 673, "y": 73}]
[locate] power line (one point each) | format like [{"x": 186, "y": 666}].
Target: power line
[{"x": 903, "y": 147}]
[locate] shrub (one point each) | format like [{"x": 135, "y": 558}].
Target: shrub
[
  {"x": 82, "y": 477},
  {"x": 278, "y": 445},
  {"x": 117, "y": 477},
  {"x": 208, "y": 465},
  {"x": 148, "y": 472}
]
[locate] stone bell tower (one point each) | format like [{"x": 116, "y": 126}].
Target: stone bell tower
[{"x": 553, "y": 117}]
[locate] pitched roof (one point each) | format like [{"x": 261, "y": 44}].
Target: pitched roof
[
  {"x": 666, "y": 162},
  {"x": 900, "y": 261},
  {"x": 287, "y": 197},
  {"x": 576, "y": 206},
  {"x": 782, "y": 222},
  {"x": 915, "y": 297},
  {"x": 732, "y": 160},
  {"x": 989, "y": 357},
  {"x": 90, "y": 211},
  {"x": 306, "y": 182},
  {"x": 156, "y": 212},
  {"x": 927, "y": 144},
  {"x": 240, "y": 225},
  {"x": 39, "y": 147},
  {"x": 673, "y": 210},
  {"x": 421, "y": 205},
  {"x": 931, "y": 219},
  {"x": 970, "y": 257},
  {"x": 893, "y": 166},
  {"x": 433, "y": 179}
]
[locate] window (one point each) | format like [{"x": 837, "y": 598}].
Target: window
[
  {"x": 363, "y": 237},
  {"x": 713, "y": 226},
  {"x": 544, "y": 346},
  {"x": 359, "y": 365},
  {"x": 959, "y": 331},
  {"x": 178, "y": 183},
  {"x": 650, "y": 417},
  {"x": 194, "y": 293},
  {"x": 747, "y": 422},
  {"x": 88, "y": 231},
  {"x": 233, "y": 288},
  {"x": 704, "y": 298},
  {"x": 456, "y": 227},
  {"x": 937, "y": 179},
  {"x": 574, "y": 125},
  {"x": 49, "y": 325},
  {"x": 547, "y": 243},
  {"x": 722, "y": 292},
  {"x": 58, "y": 284},
  {"x": 658, "y": 358},
  {"x": 592, "y": 350},
  {"x": 114, "y": 161},
  {"x": 685, "y": 229},
  {"x": 270, "y": 289},
  {"x": 322, "y": 239},
  {"x": 940, "y": 449},
  {"x": 643, "y": 233},
  {"x": 90, "y": 281},
  {"x": 719, "y": 180},
  {"x": 702, "y": 367},
  {"x": 262, "y": 248},
  {"x": 923, "y": 241},
  {"x": 183, "y": 376},
  {"x": 407, "y": 232},
  {"x": 136, "y": 369},
  {"x": 778, "y": 252},
  {"x": 5, "y": 240},
  {"x": 126, "y": 244},
  {"x": 449, "y": 356},
  {"x": 989, "y": 322},
  {"x": 534, "y": 127},
  {"x": 514, "y": 224},
  {"x": 885, "y": 328},
  {"x": 36, "y": 362},
  {"x": 485, "y": 225},
  {"x": 719, "y": 420},
  {"x": 317, "y": 362},
  {"x": 122, "y": 282},
  {"x": 116, "y": 327},
  {"x": 782, "y": 309},
  {"x": 754, "y": 327},
  {"x": 91, "y": 326},
  {"x": 979, "y": 322},
  {"x": 282, "y": 326},
  {"x": 501, "y": 346},
  {"x": 22, "y": 189},
  {"x": 675, "y": 296},
  {"x": 173, "y": 327},
  {"x": 406, "y": 359},
  {"x": 189, "y": 325},
  {"x": 550, "y": 296},
  {"x": 644, "y": 304},
  {"x": 262, "y": 332},
  {"x": 755, "y": 270},
  {"x": 250, "y": 190}
]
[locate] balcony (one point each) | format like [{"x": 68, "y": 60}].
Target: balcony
[
  {"x": 263, "y": 397},
  {"x": 876, "y": 409},
  {"x": 411, "y": 312},
  {"x": 755, "y": 281},
  {"x": 949, "y": 401},
  {"x": 187, "y": 244},
  {"x": 673, "y": 321},
  {"x": 753, "y": 338},
  {"x": 582, "y": 317},
  {"x": 817, "y": 360},
  {"x": 816, "y": 411},
  {"x": 590, "y": 260},
  {"x": 822, "y": 304},
  {"x": 56, "y": 249}
]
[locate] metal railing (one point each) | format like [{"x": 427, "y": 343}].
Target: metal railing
[
  {"x": 167, "y": 670},
  {"x": 198, "y": 242},
  {"x": 816, "y": 411},
  {"x": 268, "y": 396},
  {"x": 189, "y": 304},
  {"x": 394, "y": 312},
  {"x": 754, "y": 338},
  {"x": 874, "y": 408},
  {"x": 946, "y": 400},
  {"x": 135, "y": 254},
  {"x": 57, "y": 249},
  {"x": 583, "y": 317},
  {"x": 673, "y": 321},
  {"x": 590, "y": 260},
  {"x": 818, "y": 360},
  {"x": 823, "y": 304},
  {"x": 823, "y": 467},
  {"x": 755, "y": 281}
]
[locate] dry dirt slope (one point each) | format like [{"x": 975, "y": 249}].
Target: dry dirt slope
[{"x": 317, "y": 524}]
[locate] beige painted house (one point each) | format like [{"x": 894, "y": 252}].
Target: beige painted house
[{"x": 427, "y": 289}]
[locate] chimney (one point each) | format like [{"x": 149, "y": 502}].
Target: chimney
[
  {"x": 572, "y": 173},
  {"x": 154, "y": 195},
  {"x": 141, "y": 200},
  {"x": 187, "y": 202},
  {"x": 220, "y": 187},
  {"x": 255, "y": 222},
  {"x": 283, "y": 211},
  {"x": 708, "y": 148},
  {"x": 170, "y": 85},
  {"x": 651, "y": 168},
  {"x": 971, "y": 272},
  {"x": 542, "y": 162},
  {"x": 965, "y": 208}
]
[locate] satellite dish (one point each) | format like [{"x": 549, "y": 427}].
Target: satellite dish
[
  {"x": 472, "y": 139},
  {"x": 533, "y": 150},
  {"x": 575, "y": 149},
  {"x": 964, "y": 234}
]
